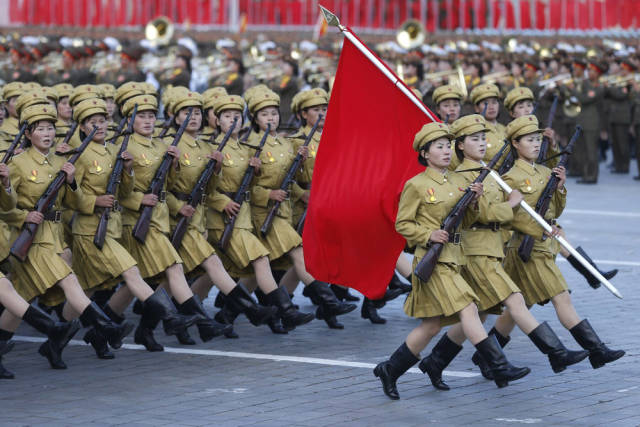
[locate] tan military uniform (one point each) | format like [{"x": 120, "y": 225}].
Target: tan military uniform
[
  {"x": 8, "y": 201},
  {"x": 303, "y": 177}
]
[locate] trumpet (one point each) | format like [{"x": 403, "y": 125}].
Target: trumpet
[
  {"x": 555, "y": 81},
  {"x": 620, "y": 81},
  {"x": 494, "y": 77}
]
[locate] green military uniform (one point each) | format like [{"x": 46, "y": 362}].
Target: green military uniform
[{"x": 620, "y": 119}]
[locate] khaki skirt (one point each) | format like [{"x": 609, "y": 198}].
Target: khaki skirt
[
  {"x": 155, "y": 255},
  {"x": 194, "y": 249},
  {"x": 280, "y": 239},
  {"x": 244, "y": 247},
  {"x": 444, "y": 295},
  {"x": 489, "y": 281},
  {"x": 95, "y": 267},
  {"x": 539, "y": 279}
]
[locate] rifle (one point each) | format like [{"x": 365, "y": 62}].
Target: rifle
[
  {"x": 67, "y": 138},
  {"x": 303, "y": 218},
  {"x": 9, "y": 153},
  {"x": 141, "y": 228},
  {"x": 542, "y": 205},
  {"x": 118, "y": 131},
  {"x": 21, "y": 246},
  {"x": 288, "y": 179},
  {"x": 484, "y": 110},
  {"x": 112, "y": 185},
  {"x": 544, "y": 147},
  {"x": 198, "y": 192},
  {"x": 509, "y": 160},
  {"x": 165, "y": 127},
  {"x": 240, "y": 196},
  {"x": 427, "y": 264}
]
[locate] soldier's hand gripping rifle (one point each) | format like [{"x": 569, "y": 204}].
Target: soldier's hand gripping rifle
[
  {"x": 14, "y": 144},
  {"x": 141, "y": 228},
  {"x": 21, "y": 246},
  {"x": 241, "y": 195},
  {"x": 544, "y": 147},
  {"x": 288, "y": 179},
  {"x": 542, "y": 206},
  {"x": 198, "y": 192},
  {"x": 112, "y": 185},
  {"x": 427, "y": 264},
  {"x": 119, "y": 130}
]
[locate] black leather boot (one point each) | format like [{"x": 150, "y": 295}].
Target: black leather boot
[
  {"x": 441, "y": 356},
  {"x": 183, "y": 336},
  {"x": 99, "y": 344},
  {"x": 58, "y": 333},
  {"x": 389, "y": 371},
  {"x": 599, "y": 353},
  {"x": 117, "y": 318},
  {"x": 396, "y": 283},
  {"x": 502, "y": 370},
  {"x": 275, "y": 323},
  {"x": 227, "y": 316},
  {"x": 159, "y": 307},
  {"x": 207, "y": 328},
  {"x": 220, "y": 299},
  {"x": 240, "y": 300},
  {"x": 321, "y": 294},
  {"x": 477, "y": 358},
  {"x": 591, "y": 279},
  {"x": 137, "y": 307},
  {"x": 548, "y": 343},
  {"x": 114, "y": 333},
  {"x": 290, "y": 316},
  {"x": 369, "y": 311},
  {"x": 343, "y": 293},
  {"x": 331, "y": 321},
  {"x": 5, "y": 347}
]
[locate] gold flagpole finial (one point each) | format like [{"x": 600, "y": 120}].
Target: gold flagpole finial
[{"x": 330, "y": 17}]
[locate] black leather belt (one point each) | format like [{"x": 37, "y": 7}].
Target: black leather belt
[
  {"x": 181, "y": 196},
  {"x": 493, "y": 226},
  {"x": 229, "y": 194},
  {"x": 53, "y": 216},
  {"x": 304, "y": 185},
  {"x": 454, "y": 238}
]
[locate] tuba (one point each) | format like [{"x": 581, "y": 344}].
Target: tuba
[
  {"x": 159, "y": 31},
  {"x": 411, "y": 34}
]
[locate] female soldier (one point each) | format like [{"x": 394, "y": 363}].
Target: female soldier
[
  {"x": 448, "y": 102},
  {"x": 539, "y": 279},
  {"x": 155, "y": 257},
  {"x": 483, "y": 248},
  {"x": 282, "y": 239},
  {"x": 102, "y": 268},
  {"x": 65, "y": 117},
  {"x": 195, "y": 251},
  {"x": 209, "y": 98},
  {"x": 31, "y": 173},
  {"x": 426, "y": 200}
]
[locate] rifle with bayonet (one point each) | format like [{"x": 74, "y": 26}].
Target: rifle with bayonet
[
  {"x": 241, "y": 195},
  {"x": 141, "y": 228},
  {"x": 198, "y": 192},
  {"x": 114, "y": 181},
  {"x": 288, "y": 179},
  {"x": 14, "y": 144},
  {"x": 542, "y": 206},
  {"x": 21, "y": 246},
  {"x": 427, "y": 264},
  {"x": 544, "y": 147}
]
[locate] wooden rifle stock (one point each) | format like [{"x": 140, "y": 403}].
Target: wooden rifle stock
[
  {"x": 240, "y": 196},
  {"x": 197, "y": 194},
  {"x": 67, "y": 138},
  {"x": 141, "y": 228},
  {"x": 427, "y": 264},
  {"x": 544, "y": 147},
  {"x": 288, "y": 179},
  {"x": 542, "y": 205},
  {"x": 112, "y": 185},
  {"x": 21, "y": 246},
  {"x": 12, "y": 148}
]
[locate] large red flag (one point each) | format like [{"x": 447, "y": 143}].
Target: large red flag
[{"x": 365, "y": 157}]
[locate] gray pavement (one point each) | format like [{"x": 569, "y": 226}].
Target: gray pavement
[{"x": 244, "y": 382}]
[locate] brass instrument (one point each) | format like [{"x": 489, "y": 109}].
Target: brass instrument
[
  {"x": 411, "y": 34},
  {"x": 619, "y": 80},
  {"x": 454, "y": 77},
  {"x": 159, "y": 31},
  {"x": 571, "y": 107},
  {"x": 494, "y": 77}
]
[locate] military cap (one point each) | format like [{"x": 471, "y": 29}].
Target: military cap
[
  {"x": 1, "y": 94},
  {"x": 430, "y": 132},
  {"x": 516, "y": 95},
  {"x": 468, "y": 125},
  {"x": 522, "y": 126},
  {"x": 108, "y": 90},
  {"x": 213, "y": 98},
  {"x": 32, "y": 85},
  {"x": 627, "y": 65},
  {"x": 295, "y": 102},
  {"x": 189, "y": 99},
  {"x": 145, "y": 103},
  {"x": 170, "y": 95},
  {"x": 49, "y": 93},
  {"x": 484, "y": 91},
  {"x": 149, "y": 88},
  {"x": 128, "y": 90},
  {"x": 35, "y": 113},
  {"x": 311, "y": 98},
  {"x": 27, "y": 99},
  {"x": 13, "y": 89},
  {"x": 263, "y": 99},
  {"x": 82, "y": 92},
  {"x": 229, "y": 102},
  {"x": 218, "y": 90},
  {"x": 63, "y": 90},
  {"x": 88, "y": 108},
  {"x": 252, "y": 90},
  {"x": 599, "y": 67},
  {"x": 446, "y": 92}
]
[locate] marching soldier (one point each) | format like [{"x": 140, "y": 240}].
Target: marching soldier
[
  {"x": 620, "y": 119},
  {"x": 10, "y": 126}
]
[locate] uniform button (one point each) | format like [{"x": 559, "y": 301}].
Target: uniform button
[
  {"x": 281, "y": 155},
  {"x": 50, "y": 175},
  {"x": 199, "y": 158},
  {"x": 445, "y": 179},
  {"x": 450, "y": 194}
]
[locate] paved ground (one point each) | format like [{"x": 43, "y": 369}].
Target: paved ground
[{"x": 328, "y": 380}]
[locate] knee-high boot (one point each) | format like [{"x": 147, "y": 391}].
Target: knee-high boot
[
  {"x": 599, "y": 353},
  {"x": 591, "y": 279},
  {"x": 389, "y": 371},
  {"x": 441, "y": 356},
  {"x": 548, "y": 343},
  {"x": 502, "y": 370},
  {"x": 477, "y": 358}
]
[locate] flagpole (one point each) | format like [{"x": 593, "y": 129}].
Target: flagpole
[{"x": 334, "y": 21}]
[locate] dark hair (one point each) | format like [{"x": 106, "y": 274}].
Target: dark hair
[
  {"x": 175, "y": 124},
  {"x": 421, "y": 159},
  {"x": 459, "y": 152},
  {"x": 522, "y": 100},
  {"x": 294, "y": 65}
]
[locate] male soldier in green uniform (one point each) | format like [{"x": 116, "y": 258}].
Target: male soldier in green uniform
[
  {"x": 620, "y": 116},
  {"x": 635, "y": 122}
]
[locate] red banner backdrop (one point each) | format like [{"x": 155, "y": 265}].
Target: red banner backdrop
[{"x": 369, "y": 14}]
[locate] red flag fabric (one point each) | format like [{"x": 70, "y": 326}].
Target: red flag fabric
[{"x": 364, "y": 159}]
